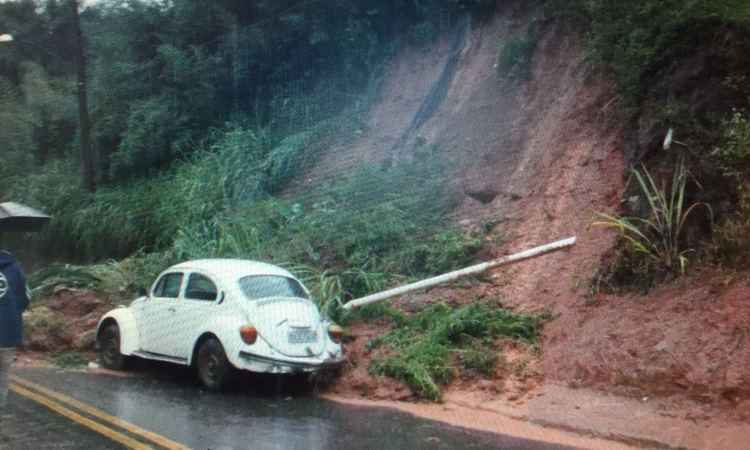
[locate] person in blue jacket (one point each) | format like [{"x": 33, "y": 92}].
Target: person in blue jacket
[{"x": 14, "y": 299}]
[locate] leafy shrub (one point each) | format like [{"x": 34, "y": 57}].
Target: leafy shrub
[
  {"x": 733, "y": 152},
  {"x": 419, "y": 352},
  {"x": 117, "y": 280},
  {"x": 372, "y": 312},
  {"x": 633, "y": 38},
  {"x": 657, "y": 242},
  {"x": 44, "y": 281},
  {"x": 731, "y": 237}
]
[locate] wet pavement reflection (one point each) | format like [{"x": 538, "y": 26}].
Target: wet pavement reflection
[{"x": 258, "y": 413}]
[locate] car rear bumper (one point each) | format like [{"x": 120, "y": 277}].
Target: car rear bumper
[{"x": 264, "y": 364}]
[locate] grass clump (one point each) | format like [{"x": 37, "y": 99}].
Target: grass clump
[
  {"x": 656, "y": 245},
  {"x": 482, "y": 361},
  {"x": 733, "y": 152},
  {"x": 427, "y": 349},
  {"x": 69, "y": 360}
]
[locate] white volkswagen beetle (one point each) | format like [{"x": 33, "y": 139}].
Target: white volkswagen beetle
[{"x": 219, "y": 315}]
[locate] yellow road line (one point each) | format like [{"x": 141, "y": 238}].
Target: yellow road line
[
  {"x": 133, "y": 429},
  {"x": 75, "y": 417}
]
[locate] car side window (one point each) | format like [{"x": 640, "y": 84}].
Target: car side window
[
  {"x": 200, "y": 287},
  {"x": 169, "y": 286},
  {"x": 159, "y": 287}
]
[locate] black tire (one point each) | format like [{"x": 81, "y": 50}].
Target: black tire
[
  {"x": 214, "y": 369},
  {"x": 109, "y": 348}
]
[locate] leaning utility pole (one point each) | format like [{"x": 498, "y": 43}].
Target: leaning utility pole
[
  {"x": 455, "y": 275},
  {"x": 88, "y": 169}
]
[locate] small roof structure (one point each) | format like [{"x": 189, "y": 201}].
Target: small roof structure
[{"x": 15, "y": 217}]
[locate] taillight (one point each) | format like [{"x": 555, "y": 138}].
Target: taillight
[
  {"x": 336, "y": 333},
  {"x": 249, "y": 335}
]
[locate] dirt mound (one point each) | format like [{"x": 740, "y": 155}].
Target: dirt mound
[
  {"x": 356, "y": 380},
  {"x": 65, "y": 321},
  {"x": 688, "y": 338}
]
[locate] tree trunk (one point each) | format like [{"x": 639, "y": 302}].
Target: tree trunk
[{"x": 88, "y": 169}]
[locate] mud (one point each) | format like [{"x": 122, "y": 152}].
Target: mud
[{"x": 488, "y": 421}]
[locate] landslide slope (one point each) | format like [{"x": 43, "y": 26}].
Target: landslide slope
[{"x": 533, "y": 160}]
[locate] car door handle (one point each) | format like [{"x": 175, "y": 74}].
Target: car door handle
[{"x": 172, "y": 309}]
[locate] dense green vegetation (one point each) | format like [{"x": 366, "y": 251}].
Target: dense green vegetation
[
  {"x": 641, "y": 38},
  {"x": 201, "y": 116},
  {"x": 203, "y": 113},
  {"x": 429, "y": 348}
]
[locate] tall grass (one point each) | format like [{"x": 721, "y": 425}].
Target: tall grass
[{"x": 362, "y": 234}]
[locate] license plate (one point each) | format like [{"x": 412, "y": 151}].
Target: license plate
[{"x": 302, "y": 336}]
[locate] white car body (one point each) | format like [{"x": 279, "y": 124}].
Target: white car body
[{"x": 292, "y": 335}]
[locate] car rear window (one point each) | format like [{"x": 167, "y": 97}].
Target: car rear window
[
  {"x": 200, "y": 287},
  {"x": 264, "y": 286}
]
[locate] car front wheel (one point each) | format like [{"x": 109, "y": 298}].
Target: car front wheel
[
  {"x": 214, "y": 369},
  {"x": 109, "y": 348}
]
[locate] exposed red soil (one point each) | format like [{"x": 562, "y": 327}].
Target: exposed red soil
[
  {"x": 355, "y": 380},
  {"x": 687, "y": 339},
  {"x": 406, "y": 84}
]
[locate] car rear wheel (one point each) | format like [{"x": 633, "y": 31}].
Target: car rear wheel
[
  {"x": 214, "y": 369},
  {"x": 109, "y": 348}
]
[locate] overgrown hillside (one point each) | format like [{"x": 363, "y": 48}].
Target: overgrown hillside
[{"x": 201, "y": 115}]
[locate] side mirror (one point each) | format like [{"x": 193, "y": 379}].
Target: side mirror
[{"x": 222, "y": 297}]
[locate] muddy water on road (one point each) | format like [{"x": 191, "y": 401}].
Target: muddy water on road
[{"x": 261, "y": 414}]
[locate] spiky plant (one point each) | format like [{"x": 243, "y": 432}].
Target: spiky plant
[{"x": 659, "y": 236}]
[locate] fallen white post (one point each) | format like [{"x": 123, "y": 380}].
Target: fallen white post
[{"x": 451, "y": 276}]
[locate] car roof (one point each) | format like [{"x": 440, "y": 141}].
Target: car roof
[{"x": 232, "y": 269}]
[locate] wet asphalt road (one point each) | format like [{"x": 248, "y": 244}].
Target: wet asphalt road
[
  {"x": 30, "y": 426},
  {"x": 257, "y": 413}
]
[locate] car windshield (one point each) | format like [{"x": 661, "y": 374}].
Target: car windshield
[{"x": 263, "y": 286}]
